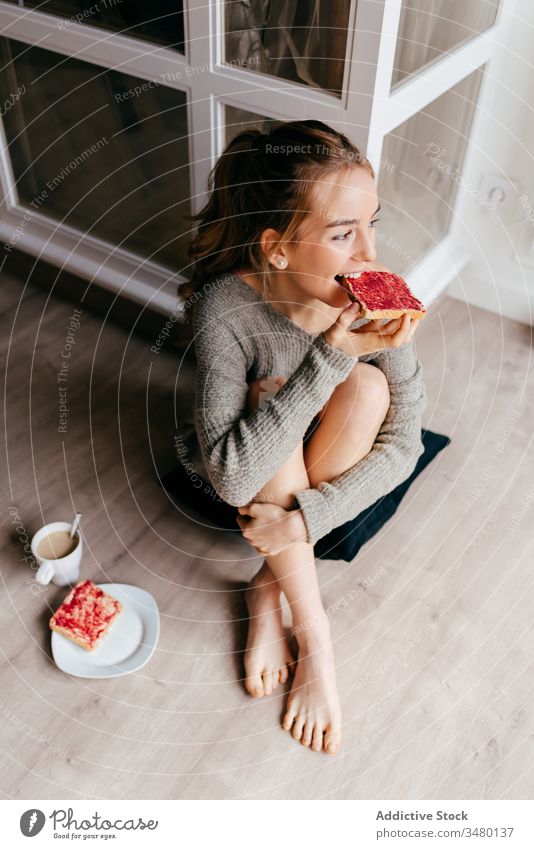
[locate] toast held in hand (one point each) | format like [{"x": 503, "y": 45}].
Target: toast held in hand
[{"x": 382, "y": 294}]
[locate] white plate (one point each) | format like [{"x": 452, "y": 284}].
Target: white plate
[{"x": 128, "y": 645}]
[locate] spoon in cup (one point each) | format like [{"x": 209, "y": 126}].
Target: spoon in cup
[{"x": 75, "y": 524}]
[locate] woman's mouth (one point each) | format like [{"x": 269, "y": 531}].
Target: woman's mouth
[{"x": 340, "y": 277}]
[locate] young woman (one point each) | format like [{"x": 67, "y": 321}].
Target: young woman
[{"x": 304, "y": 415}]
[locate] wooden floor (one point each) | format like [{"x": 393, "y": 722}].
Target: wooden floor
[{"x": 432, "y": 625}]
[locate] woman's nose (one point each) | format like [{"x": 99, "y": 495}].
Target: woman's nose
[{"x": 365, "y": 249}]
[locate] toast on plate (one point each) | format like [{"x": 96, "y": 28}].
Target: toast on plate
[{"x": 85, "y": 615}]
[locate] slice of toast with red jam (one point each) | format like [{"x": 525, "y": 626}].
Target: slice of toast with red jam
[
  {"x": 85, "y": 615},
  {"x": 382, "y": 294}
]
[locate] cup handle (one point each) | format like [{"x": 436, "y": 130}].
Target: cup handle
[{"x": 45, "y": 572}]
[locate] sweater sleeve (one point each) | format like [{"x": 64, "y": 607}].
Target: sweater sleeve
[
  {"x": 392, "y": 459},
  {"x": 243, "y": 451}
]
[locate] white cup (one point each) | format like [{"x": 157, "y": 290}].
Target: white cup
[{"x": 61, "y": 570}]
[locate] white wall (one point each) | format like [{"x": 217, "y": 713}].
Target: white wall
[{"x": 500, "y": 275}]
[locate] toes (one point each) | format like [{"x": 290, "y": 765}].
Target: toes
[
  {"x": 254, "y": 686},
  {"x": 307, "y": 733},
  {"x": 289, "y": 717},
  {"x": 317, "y": 740},
  {"x": 298, "y": 727},
  {"x": 283, "y": 674},
  {"x": 267, "y": 683},
  {"x": 332, "y": 739}
]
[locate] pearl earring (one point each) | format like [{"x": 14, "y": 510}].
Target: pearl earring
[{"x": 282, "y": 263}]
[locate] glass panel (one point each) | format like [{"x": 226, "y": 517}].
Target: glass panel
[
  {"x": 160, "y": 21},
  {"x": 237, "y": 119},
  {"x": 429, "y": 29},
  {"x": 303, "y": 42},
  {"x": 419, "y": 175},
  {"x": 109, "y": 156}
]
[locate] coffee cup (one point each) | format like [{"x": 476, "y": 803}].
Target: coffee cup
[{"x": 58, "y": 555}]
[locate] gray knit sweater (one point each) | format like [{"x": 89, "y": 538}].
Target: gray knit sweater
[{"x": 241, "y": 337}]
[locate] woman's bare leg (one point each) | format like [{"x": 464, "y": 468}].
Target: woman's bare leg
[
  {"x": 268, "y": 658},
  {"x": 313, "y": 713},
  {"x": 349, "y": 424},
  {"x": 313, "y": 702}
]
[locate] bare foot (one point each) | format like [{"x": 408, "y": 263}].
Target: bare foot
[
  {"x": 313, "y": 712},
  {"x": 268, "y": 658}
]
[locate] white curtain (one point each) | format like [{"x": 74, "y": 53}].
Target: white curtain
[{"x": 260, "y": 35}]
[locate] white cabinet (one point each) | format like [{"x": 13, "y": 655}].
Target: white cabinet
[{"x": 114, "y": 116}]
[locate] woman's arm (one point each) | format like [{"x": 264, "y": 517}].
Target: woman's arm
[
  {"x": 392, "y": 459},
  {"x": 243, "y": 452}
]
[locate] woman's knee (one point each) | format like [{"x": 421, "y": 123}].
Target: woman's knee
[
  {"x": 358, "y": 406},
  {"x": 368, "y": 385}
]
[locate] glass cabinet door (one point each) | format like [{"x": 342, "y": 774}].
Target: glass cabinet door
[
  {"x": 160, "y": 21},
  {"x": 102, "y": 151},
  {"x": 420, "y": 173},
  {"x": 304, "y": 42},
  {"x": 236, "y": 120},
  {"x": 132, "y": 155},
  {"x": 428, "y": 29}
]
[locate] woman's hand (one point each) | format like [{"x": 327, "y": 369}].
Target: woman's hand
[
  {"x": 269, "y": 528},
  {"x": 370, "y": 337}
]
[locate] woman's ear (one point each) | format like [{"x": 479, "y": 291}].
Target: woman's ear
[{"x": 269, "y": 241}]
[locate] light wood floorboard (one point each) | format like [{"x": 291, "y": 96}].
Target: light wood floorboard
[{"x": 434, "y": 657}]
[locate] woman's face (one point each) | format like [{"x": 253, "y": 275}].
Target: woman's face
[{"x": 336, "y": 238}]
